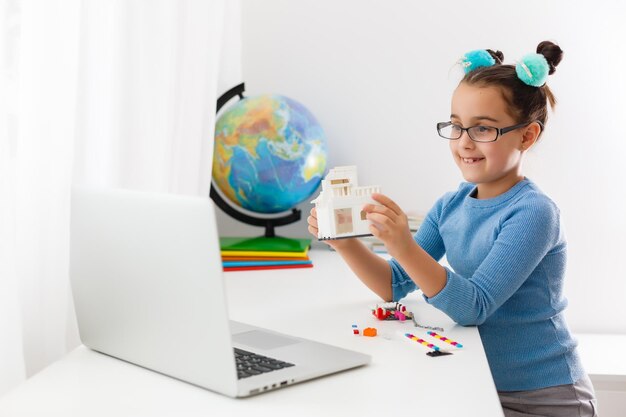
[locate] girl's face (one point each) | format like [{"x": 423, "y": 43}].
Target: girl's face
[{"x": 493, "y": 166}]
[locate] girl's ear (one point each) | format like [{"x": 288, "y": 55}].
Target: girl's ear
[{"x": 530, "y": 135}]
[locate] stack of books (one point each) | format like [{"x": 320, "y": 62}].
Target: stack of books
[{"x": 246, "y": 254}]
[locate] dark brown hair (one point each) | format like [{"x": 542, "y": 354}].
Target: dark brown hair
[{"x": 526, "y": 103}]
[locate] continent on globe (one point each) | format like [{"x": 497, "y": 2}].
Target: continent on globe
[
  {"x": 270, "y": 153},
  {"x": 339, "y": 205}
]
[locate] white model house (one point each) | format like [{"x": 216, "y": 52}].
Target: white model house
[{"x": 339, "y": 205}]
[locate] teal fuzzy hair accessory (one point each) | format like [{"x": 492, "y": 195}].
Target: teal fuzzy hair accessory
[
  {"x": 533, "y": 70},
  {"x": 476, "y": 59}
]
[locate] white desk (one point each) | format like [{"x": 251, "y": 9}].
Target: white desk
[{"x": 319, "y": 303}]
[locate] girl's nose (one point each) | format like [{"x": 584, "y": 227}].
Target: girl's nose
[{"x": 465, "y": 141}]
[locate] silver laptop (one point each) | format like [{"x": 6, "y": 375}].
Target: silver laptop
[{"x": 147, "y": 282}]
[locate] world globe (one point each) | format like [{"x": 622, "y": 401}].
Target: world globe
[{"x": 270, "y": 153}]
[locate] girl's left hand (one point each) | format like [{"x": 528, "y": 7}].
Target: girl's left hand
[{"x": 391, "y": 225}]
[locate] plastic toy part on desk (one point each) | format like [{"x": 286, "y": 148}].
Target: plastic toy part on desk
[
  {"x": 416, "y": 324},
  {"x": 435, "y": 353},
  {"x": 392, "y": 311},
  {"x": 370, "y": 332},
  {"x": 444, "y": 339},
  {"x": 422, "y": 341},
  {"x": 436, "y": 350}
]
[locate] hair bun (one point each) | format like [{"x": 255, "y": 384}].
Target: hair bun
[
  {"x": 552, "y": 52},
  {"x": 496, "y": 55}
]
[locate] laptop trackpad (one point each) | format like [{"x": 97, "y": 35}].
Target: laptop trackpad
[{"x": 263, "y": 340}]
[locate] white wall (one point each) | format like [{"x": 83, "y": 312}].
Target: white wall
[{"x": 379, "y": 75}]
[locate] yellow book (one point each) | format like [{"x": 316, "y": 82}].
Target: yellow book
[{"x": 265, "y": 254}]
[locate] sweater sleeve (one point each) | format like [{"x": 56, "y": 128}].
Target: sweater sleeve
[
  {"x": 525, "y": 238},
  {"x": 430, "y": 240}
]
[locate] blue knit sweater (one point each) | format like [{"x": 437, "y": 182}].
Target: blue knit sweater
[{"x": 508, "y": 256}]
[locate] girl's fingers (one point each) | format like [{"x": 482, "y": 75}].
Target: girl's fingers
[
  {"x": 388, "y": 202},
  {"x": 380, "y": 218},
  {"x": 386, "y": 211}
]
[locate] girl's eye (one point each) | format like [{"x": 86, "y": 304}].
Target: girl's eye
[
  {"x": 483, "y": 129},
  {"x": 455, "y": 128}
]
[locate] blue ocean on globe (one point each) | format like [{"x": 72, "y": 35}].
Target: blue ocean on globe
[{"x": 270, "y": 153}]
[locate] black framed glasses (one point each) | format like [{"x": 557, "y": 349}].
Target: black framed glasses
[{"x": 451, "y": 131}]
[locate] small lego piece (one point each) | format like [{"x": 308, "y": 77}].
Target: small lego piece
[
  {"x": 416, "y": 324},
  {"x": 370, "y": 332},
  {"x": 422, "y": 341},
  {"x": 435, "y": 353},
  {"x": 355, "y": 329},
  {"x": 391, "y": 311},
  {"x": 445, "y": 339},
  {"x": 381, "y": 313}
]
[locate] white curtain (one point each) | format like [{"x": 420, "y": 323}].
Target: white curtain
[{"x": 115, "y": 93}]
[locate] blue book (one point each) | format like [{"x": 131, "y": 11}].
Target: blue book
[{"x": 228, "y": 264}]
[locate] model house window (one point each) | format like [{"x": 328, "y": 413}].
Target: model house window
[
  {"x": 343, "y": 220},
  {"x": 363, "y": 215}
]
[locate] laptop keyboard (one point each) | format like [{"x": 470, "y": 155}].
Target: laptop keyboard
[{"x": 249, "y": 364}]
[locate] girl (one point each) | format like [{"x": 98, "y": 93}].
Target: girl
[{"x": 501, "y": 235}]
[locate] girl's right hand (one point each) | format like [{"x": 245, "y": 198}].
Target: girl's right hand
[{"x": 312, "y": 221}]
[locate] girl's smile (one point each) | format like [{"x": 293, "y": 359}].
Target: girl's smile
[{"x": 471, "y": 161}]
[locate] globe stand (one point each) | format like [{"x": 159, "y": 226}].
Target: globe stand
[{"x": 269, "y": 223}]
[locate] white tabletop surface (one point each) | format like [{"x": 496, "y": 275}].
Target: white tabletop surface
[
  {"x": 320, "y": 303},
  {"x": 603, "y": 357}
]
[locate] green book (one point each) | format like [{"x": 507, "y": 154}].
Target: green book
[{"x": 264, "y": 244}]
